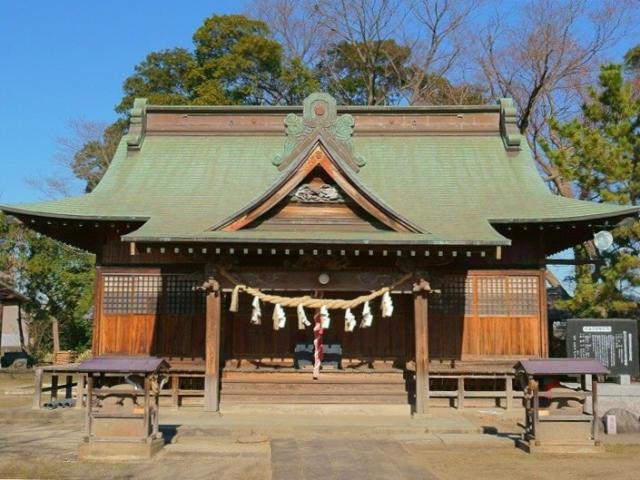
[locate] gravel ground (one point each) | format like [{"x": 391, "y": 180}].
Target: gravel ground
[{"x": 43, "y": 444}]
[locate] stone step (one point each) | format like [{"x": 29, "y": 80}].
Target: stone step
[{"x": 218, "y": 447}]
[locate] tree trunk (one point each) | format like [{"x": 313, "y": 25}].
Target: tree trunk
[{"x": 55, "y": 334}]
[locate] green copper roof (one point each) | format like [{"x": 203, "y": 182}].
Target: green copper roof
[{"x": 452, "y": 186}]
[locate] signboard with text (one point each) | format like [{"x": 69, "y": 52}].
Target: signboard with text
[{"x": 613, "y": 341}]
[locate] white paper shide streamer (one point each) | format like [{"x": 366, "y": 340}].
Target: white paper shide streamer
[
  {"x": 325, "y": 319},
  {"x": 367, "y": 317},
  {"x": 386, "y": 305},
  {"x": 303, "y": 321},
  {"x": 279, "y": 318},
  {"x": 256, "y": 313},
  {"x": 349, "y": 321}
]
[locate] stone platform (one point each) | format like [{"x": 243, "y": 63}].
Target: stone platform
[{"x": 281, "y": 420}]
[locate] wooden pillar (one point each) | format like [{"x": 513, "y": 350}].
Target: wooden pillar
[
  {"x": 54, "y": 387},
  {"x": 37, "y": 389},
  {"x": 594, "y": 409},
  {"x": 421, "y": 316},
  {"x": 175, "y": 391},
  {"x": 460, "y": 392},
  {"x": 212, "y": 347},
  {"x": 87, "y": 423},
  {"x": 147, "y": 409},
  {"x": 80, "y": 388},
  {"x": 96, "y": 348},
  {"x": 20, "y": 329},
  {"x": 68, "y": 387},
  {"x": 509, "y": 392}
]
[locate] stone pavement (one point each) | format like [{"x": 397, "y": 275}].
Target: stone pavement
[
  {"x": 335, "y": 459},
  {"x": 302, "y": 442}
]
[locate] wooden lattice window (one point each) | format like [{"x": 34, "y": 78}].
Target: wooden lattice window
[
  {"x": 523, "y": 295},
  {"x": 455, "y": 297},
  {"x": 131, "y": 294},
  {"x": 492, "y": 298},
  {"x": 508, "y": 295},
  {"x": 182, "y": 298},
  {"x": 151, "y": 294}
]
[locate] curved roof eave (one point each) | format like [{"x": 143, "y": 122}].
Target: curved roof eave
[{"x": 37, "y": 213}]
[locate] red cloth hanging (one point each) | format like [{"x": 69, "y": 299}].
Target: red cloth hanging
[{"x": 318, "y": 353}]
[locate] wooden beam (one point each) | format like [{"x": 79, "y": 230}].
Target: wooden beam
[
  {"x": 97, "y": 313},
  {"x": 212, "y": 348},
  {"x": 421, "y": 317},
  {"x": 572, "y": 261},
  {"x": 282, "y": 279},
  {"x": 543, "y": 311}
]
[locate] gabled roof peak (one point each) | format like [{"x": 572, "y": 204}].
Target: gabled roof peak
[
  {"x": 319, "y": 119},
  {"x": 317, "y": 155}
]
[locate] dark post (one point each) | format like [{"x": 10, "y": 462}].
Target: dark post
[
  {"x": 421, "y": 317},
  {"x": 54, "y": 387},
  {"x": 212, "y": 347},
  {"x": 68, "y": 387},
  {"x": 594, "y": 409}
]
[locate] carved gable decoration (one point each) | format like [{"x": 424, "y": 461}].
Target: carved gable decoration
[
  {"x": 325, "y": 193},
  {"x": 320, "y": 187},
  {"x": 319, "y": 119}
]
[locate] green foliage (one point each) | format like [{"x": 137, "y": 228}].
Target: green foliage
[
  {"x": 92, "y": 160},
  {"x": 58, "y": 281},
  {"x": 164, "y": 78},
  {"x": 238, "y": 54},
  {"x": 632, "y": 59},
  {"x": 366, "y": 73},
  {"x": 234, "y": 61},
  {"x": 601, "y": 154}
]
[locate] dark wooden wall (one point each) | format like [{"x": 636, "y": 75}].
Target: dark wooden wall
[
  {"x": 161, "y": 315},
  {"x": 387, "y": 339},
  {"x": 479, "y": 314}
]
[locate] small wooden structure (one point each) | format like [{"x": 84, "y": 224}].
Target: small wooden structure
[
  {"x": 322, "y": 201},
  {"x": 10, "y": 298},
  {"x": 122, "y": 406},
  {"x": 565, "y": 430},
  {"x": 72, "y": 378}
]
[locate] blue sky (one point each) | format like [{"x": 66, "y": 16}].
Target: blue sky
[{"x": 67, "y": 59}]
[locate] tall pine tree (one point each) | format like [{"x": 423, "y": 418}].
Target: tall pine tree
[{"x": 600, "y": 154}]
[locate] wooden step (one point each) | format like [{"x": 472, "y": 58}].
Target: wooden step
[
  {"x": 316, "y": 399},
  {"x": 259, "y": 388},
  {"x": 306, "y": 377}
]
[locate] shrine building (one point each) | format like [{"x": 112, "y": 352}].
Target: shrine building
[{"x": 322, "y": 253}]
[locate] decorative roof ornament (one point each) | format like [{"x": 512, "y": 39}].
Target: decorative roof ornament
[
  {"x": 137, "y": 124},
  {"x": 509, "y": 125},
  {"x": 320, "y": 117},
  {"x": 323, "y": 194}
]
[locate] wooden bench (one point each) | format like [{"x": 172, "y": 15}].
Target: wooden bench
[{"x": 69, "y": 371}]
